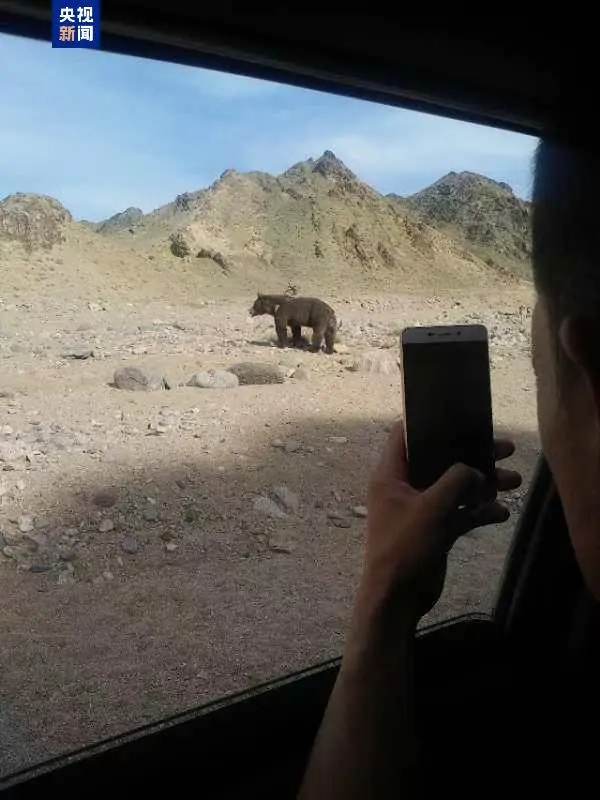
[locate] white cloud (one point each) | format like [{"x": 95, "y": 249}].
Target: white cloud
[
  {"x": 102, "y": 132},
  {"x": 388, "y": 147}
]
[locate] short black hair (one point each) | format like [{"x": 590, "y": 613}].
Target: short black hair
[{"x": 566, "y": 226}]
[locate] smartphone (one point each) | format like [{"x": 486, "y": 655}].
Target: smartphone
[{"x": 447, "y": 400}]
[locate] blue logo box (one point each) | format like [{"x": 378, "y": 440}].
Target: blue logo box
[{"x": 76, "y": 24}]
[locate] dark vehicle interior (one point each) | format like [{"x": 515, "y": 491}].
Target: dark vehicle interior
[{"x": 499, "y": 697}]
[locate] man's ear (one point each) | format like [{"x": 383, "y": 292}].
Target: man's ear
[{"x": 579, "y": 338}]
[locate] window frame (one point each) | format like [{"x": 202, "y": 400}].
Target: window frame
[{"x": 529, "y": 611}]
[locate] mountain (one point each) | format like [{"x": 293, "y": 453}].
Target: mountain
[
  {"x": 486, "y": 215},
  {"x": 45, "y": 253},
  {"x": 316, "y": 224},
  {"x": 121, "y": 221}
]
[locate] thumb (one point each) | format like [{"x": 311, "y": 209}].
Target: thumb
[{"x": 459, "y": 485}]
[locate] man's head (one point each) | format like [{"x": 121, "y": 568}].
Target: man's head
[{"x": 566, "y": 338}]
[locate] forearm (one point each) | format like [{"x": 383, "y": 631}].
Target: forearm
[{"x": 366, "y": 745}]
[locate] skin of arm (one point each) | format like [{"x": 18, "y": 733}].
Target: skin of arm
[{"x": 367, "y": 746}]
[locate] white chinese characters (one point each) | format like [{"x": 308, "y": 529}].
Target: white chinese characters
[
  {"x": 85, "y": 14},
  {"x": 66, "y": 15},
  {"x": 85, "y": 33},
  {"x": 76, "y": 24}
]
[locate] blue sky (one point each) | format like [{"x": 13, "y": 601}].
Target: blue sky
[{"x": 101, "y": 132}]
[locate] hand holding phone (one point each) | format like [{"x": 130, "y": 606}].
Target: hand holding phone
[{"x": 447, "y": 401}]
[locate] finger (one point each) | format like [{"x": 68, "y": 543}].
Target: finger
[
  {"x": 467, "y": 519},
  {"x": 504, "y": 480},
  {"x": 503, "y": 448},
  {"x": 492, "y": 514},
  {"x": 392, "y": 461},
  {"x": 507, "y": 479},
  {"x": 459, "y": 485}
]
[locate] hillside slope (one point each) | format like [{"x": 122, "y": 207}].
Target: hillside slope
[
  {"x": 316, "y": 225},
  {"x": 484, "y": 214},
  {"x": 46, "y": 255}
]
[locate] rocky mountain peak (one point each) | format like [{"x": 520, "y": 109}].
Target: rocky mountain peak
[
  {"x": 33, "y": 220},
  {"x": 484, "y": 212},
  {"x": 120, "y": 221}
]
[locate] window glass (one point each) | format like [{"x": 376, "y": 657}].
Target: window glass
[{"x": 182, "y": 502}]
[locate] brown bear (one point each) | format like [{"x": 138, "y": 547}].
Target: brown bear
[{"x": 299, "y": 312}]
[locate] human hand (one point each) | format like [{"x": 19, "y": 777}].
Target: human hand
[{"x": 410, "y": 533}]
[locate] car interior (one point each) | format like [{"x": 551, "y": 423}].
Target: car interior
[{"x": 500, "y": 697}]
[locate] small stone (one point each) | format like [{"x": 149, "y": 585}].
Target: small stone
[
  {"x": 300, "y": 374},
  {"x": 288, "y": 499},
  {"x": 191, "y": 515},
  {"x": 279, "y": 542},
  {"x": 279, "y": 443},
  {"x": 338, "y": 439},
  {"x": 25, "y": 524},
  {"x": 359, "y": 511},
  {"x": 130, "y": 545},
  {"x": 12, "y": 537},
  {"x": 338, "y": 521},
  {"x": 151, "y": 514},
  {"x": 39, "y": 540},
  {"x": 264, "y": 505},
  {"x": 292, "y": 446},
  {"x": 105, "y": 498},
  {"x": 170, "y": 547},
  {"x": 107, "y": 574},
  {"x": 79, "y": 354},
  {"x": 106, "y": 525}
]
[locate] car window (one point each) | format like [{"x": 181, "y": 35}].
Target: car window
[{"x": 182, "y": 502}]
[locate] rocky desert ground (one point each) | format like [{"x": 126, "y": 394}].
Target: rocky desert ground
[{"x": 182, "y": 504}]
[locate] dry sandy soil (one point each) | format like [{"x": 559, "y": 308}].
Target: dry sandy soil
[{"x": 147, "y": 566}]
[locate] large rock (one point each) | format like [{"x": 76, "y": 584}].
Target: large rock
[
  {"x": 214, "y": 379},
  {"x": 133, "y": 379},
  {"x": 375, "y": 361},
  {"x": 256, "y": 373}
]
